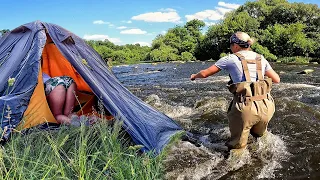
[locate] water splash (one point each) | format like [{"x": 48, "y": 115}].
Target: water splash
[
  {"x": 271, "y": 151},
  {"x": 170, "y": 110}
]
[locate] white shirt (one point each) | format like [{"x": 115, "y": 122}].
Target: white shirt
[{"x": 233, "y": 65}]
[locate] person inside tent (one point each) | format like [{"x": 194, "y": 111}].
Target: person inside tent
[
  {"x": 252, "y": 106},
  {"x": 61, "y": 84},
  {"x": 60, "y": 93}
]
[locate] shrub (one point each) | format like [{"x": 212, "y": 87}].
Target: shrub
[
  {"x": 264, "y": 51},
  {"x": 223, "y": 55},
  {"x": 187, "y": 56},
  {"x": 296, "y": 59}
]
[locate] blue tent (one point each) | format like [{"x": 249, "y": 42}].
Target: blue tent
[{"x": 20, "y": 57}]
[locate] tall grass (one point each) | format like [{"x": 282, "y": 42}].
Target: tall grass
[{"x": 96, "y": 152}]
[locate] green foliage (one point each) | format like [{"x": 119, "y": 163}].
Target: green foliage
[
  {"x": 164, "y": 53},
  {"x": 223, "y": 55},
  {"x": 288, "y": 40},
  {"x": 296, "y": 59},
  {"x": 282, "y": 29},
  {"x": 264, "y": 51},
  {"x": 187, "y": 56},
  {"x": 98, "y": 152},
  {"x": 126, "y": 54}
]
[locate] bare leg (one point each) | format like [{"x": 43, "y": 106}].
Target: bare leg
[
  {"x": 56, "y": 100},
  {"x": 70, "y": 100}
]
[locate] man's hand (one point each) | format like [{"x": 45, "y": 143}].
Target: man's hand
[{"x": 193, "y": 77}]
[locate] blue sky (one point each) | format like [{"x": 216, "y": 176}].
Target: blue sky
[{"x": 120, "y": 21}]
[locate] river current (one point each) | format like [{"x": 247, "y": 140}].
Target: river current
[{"x": 290, "y": 149}]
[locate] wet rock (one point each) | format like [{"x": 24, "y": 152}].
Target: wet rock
[{"x": 306, "y": 71}]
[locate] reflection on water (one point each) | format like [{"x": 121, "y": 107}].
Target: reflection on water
[{"x": 289, "y": 151}]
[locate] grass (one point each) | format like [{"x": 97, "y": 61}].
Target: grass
[{"x": 95, "y": 152}]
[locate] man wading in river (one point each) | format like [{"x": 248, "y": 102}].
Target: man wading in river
[{"x": 252, "y": 106}]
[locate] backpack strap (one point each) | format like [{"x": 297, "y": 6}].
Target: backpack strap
[
  {"x": 259, "y": 68},
  {"x": 244, "y": 66}
]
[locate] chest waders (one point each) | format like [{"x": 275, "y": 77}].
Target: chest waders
[{"x": 252, "y": 106}]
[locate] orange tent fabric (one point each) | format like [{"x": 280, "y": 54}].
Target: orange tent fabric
[
  {"x": 55, "y": 64},
  {"x": 38, "y": 110}
]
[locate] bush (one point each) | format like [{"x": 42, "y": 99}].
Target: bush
[
  {"x": 223, "y": 55},
  {"x": 187, "y": 56},
  {"x": 264, "y": 51},
  {"x": 296, "y": 59}
]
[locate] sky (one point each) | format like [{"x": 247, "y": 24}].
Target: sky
[{"x": 119, "y": 21}]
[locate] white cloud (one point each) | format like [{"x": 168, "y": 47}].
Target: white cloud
[
  {"x": 142, "y": 43},
  {"x": 206, "y": 14},
  {"x": 101, "y": 37},
  {"x": 209, "y": 23},
  {"x": 103, "y": 22},
  {"x": 128, "y": 22},
  {"x": 223, "y": 10},
  {"x": 122, "y": 27},
  {"x": 133, "y": 31},
  {"x": 228, "y": 5},
  {"x": 164, "y": 15},
  {"x": 167, "y": 10},
  {"x": 213, "y": 15},
  {"x": 100, "y": 22},
  {"x": 163, "y": 32}
]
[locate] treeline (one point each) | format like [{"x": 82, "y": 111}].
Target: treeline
[{"x": 281, "y": 30}]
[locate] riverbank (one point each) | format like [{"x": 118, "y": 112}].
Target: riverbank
[{"x": 284, "y": 60}]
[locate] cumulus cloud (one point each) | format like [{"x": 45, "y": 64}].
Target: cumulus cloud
[
  {"x": 122, "y": 27},
  {"x": 133, "y": 31},
  {"x": 228, "y": 5},
  {"x": 205, "y": 15},
  {"x": 209, "y": 23},
  {"x": 222, "y": 10},
  {"x": 101, "y": 37},
  {"x": 163, "y": 15},
  {"x": 142, "y": 43},
  {"x": 213, "y": 14}
]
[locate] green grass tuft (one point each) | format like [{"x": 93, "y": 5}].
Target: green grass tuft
[{"x": 95, "y": 152}]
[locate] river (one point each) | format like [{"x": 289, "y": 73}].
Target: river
[{"x": 290, "y": 150}]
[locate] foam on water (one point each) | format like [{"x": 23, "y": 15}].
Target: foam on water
[
  {"x": 169, "y": 110},
  {"x": 271, "y": 151},
  {"x": 186, "y": 161},
  {"x": 285, "y": 86}
]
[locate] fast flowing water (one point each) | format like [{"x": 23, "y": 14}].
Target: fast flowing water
[{"x": 290, "y": 150}]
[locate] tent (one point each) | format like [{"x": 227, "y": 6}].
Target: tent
[{"x": 24, "y": 55}]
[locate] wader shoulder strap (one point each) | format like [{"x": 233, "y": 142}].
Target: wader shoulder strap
[
  {"x": 259, "y": 68},
  {"x": 244, "y": 66}
]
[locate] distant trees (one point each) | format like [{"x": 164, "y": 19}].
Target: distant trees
[
  {"x": 125, "y": 54},
  {"x": 281, "y": 29},
  {"x": 178, "y": 43}
]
